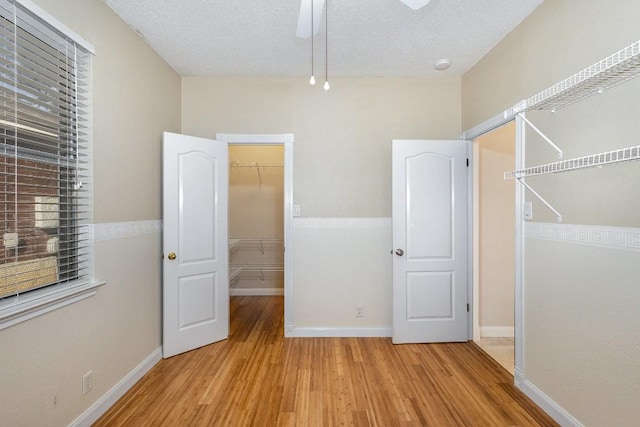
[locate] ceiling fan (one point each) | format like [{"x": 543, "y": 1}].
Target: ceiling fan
[{"x": 304, "y": 18}]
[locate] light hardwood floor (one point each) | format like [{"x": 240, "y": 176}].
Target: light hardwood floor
[
  {"x": 257, "y": 377},
  {"x": 501, "y": 350}
]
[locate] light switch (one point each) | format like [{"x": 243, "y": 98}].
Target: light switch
[
  {"x": 296, "y": 210},
  {"x": 527, "y": 211}
]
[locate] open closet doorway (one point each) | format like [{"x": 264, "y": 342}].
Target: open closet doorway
[
  {"x": 256, "y": 220},
  {"x": 260, "y": 216},
  {"x": 494, "y": 242}
]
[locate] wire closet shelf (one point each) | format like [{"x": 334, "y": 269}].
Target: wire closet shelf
[
  {"x": 257, "y": 243},
  {"x": 611, "y": 71},
  {"x": 618, "y": 68},
  {"x": 594, "y": 160}
]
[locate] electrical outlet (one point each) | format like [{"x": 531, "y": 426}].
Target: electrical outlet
[
  {"x": 359, "y": 310},
  {"x": 87, "y": 382}
]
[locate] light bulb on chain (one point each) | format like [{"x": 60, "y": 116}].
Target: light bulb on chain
[
  {"x": 326, "y": 85},
  {"x": 312, "y": 80}
]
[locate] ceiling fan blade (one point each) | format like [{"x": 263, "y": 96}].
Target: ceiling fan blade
[
  {"x": 416, "y": 4},
  {"x": 304, "y": 18}
]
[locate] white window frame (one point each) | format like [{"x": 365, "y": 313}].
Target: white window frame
[{"x": 14, "y": 310}]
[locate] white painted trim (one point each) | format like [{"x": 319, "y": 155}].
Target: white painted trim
[
  {"x": 286, "y": 140},
  {"x": 120, "y": 230},
  {"x": 620, "y": 238},
  {"x": 288, "y": 230},
  {"x": 342, "y": 223},
  {"x": 19, "y": 309},
  {"x": 340, "y": 332},
  {"x": 288, "y": 330},
  {"x": 519, "y": 290},
  {"x": 497, "y": 331},
  {"x": 475, "y": 293},
  {"x": 518, "y": 376},
  {"x": 554, "y": 410},
  {"x": 59, "y": 26},
  {"x": 103, "y": 404},
  {"x": 487, "y": 126},
  {"x": 471, "y": 312},
  {"x": 234, "y": 292},
  {"x": 43, "y": 301},
  {"x": 256, "y": 139}
]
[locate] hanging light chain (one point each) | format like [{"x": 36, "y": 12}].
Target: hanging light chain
[
  {"x": 312, "y": 80},
  {"x": 326, "y": 46}
]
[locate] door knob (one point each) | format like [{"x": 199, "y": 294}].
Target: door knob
[
  {"x": 171, "y": 256},
  {"x": 399, "y": 252}
]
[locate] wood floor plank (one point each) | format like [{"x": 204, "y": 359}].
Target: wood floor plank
[{"x": 259, "y": 378}]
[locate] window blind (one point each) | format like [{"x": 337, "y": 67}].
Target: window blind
[{"x": 45, "y": 185}]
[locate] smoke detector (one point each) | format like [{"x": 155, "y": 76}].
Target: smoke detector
[{"x": 442, "y": 64}]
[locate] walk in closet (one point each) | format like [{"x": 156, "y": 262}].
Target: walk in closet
[{"x": 256, "y": 229}]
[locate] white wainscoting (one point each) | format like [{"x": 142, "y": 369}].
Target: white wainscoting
[
  {"x": 103, "y": 404},
  {"x": 120, "y": 230},
  {"x": 620, "y": 238},
  {"x": 592, "y": 247},
  {"x": 112, "y": 231},
  {"x": 340, "y": 263},
  {"x": 547, "y": 404}
]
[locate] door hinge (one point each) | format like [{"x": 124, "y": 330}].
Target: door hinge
[
  {"x": 467, "y": 162},
  {"x": 467, "y": 307}
]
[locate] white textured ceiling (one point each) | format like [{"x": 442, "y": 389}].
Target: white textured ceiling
[{"x": 367, "y": 38}]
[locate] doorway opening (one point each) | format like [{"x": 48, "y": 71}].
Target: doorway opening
[
  {"x": 256, "y": 220},
  {"x": 261, "y": 216},
  {"x": 494, "y": 243}
]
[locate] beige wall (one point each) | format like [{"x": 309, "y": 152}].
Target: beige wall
[
  {"x": 342, "y": 149},
  {"x": 342, "y": 169},
  {"x": 256, "y": 202},
  {"x": 581, "y": 337},
  {"x": 135, "y": 97},
  {"x": 497, "y": 229}
]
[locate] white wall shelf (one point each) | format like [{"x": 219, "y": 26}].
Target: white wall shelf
[
  {"x": 262, "y": 244},
  {"x": 611, "y": 71},
  {"x": 590, "y": 161}
]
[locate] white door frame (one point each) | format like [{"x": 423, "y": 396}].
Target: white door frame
[
  {"x": 471, "y": 134},
  {"x": 286, "y": 140}
]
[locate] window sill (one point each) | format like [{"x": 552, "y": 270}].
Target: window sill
[{"x": 23, "y": 308}]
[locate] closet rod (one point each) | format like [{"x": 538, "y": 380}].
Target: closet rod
[
  {"x": 590, "y": 161},
  {"x": 237, "y": 164}
]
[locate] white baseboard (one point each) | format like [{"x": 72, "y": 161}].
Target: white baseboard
[
  {"x": 236, "y": 292},
  {"x": 496, "y": 331},
  {"x": 288, "y": 330},
  {"x": 545, "y": 403},
  {"x": 101, "y": 406},
  {"x": 340, "y": 332}
]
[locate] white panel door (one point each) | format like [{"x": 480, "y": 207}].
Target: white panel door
[
  {"x": 195, "y": 243},
  {"x": 430, "y": 204}
]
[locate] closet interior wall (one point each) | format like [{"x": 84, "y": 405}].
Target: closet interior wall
[{"x": 256, "y": 213}]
